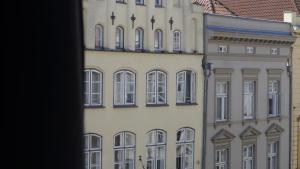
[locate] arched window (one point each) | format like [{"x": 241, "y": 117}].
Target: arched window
[
  {"x": 124, "y": 150},
  {"x": 99, "y": 36},
  {"x": 93, "y": 151},
  {"x": 156, "y": 87},
  {"x": 119, "y": 37},
  {"x": 156, "y": 149},
  {"x": 176, "y": 41},
  {"x": 93, "y": 80},
  {"x": 185, "y": 148},
  {"x": 158, "y": 40},
  {"x": 186, "y": 87},
  {"x": 124, "y": 88},
  {"x": 139, "y": 39}
]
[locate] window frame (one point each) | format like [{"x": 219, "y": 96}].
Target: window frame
[
  {"x": 223, "y": 48},
  {"x": 253, "y": 157},
  {"x": 120, "y": 45},
  {"x": 124, "y": 84},
  {"x": 177, "y": 41},
  {"x": 184, "y": 143},
  {"x": 139, "y": 42},
  {"x": 274, "y": 53},
  {"x": 158, "y": 40},
  {"x": 221, "y": 163},
  {"x": 156, "y": 93},
  {"x": 99, "y": 42},
  {"x": 192, "y": 87},
  {"x": 123, "y": 148},
  {"x": 272, "y": 154},
  {"x": 158, "y": 5},
  {"x": 250, "y": 50},
  {"x": 90, "y": 150},
  {"x": 254, "y": 101},
  {"x": 278, "y": 96},
  {"x": 90, "y": 84},
  {"x": 224, "y": 113},
  {"x": 140, "y": 2}
]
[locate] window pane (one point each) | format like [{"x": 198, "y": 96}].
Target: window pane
[
  {"x": 151, "y": 138},
  {"x": 118, "y": 156},
  {"x": 180, "y": 135},
  {"x": 219, "y": 108},
  {"x": 189, "y": 135},
  {"x": 95, "y": 158},
  {"x": 95, "y": 142},
  {"x": 161, "y": 137},
  {"x": 150, "y": 153},
  {"x": 86, "y": 142},
  {"x": 118, "y": 140},
  {"x": 129, "y": 139}
]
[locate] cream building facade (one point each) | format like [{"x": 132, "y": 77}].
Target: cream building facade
[
  {"x": 143, "y": 84},
  {"x": 294, "y": 19}
]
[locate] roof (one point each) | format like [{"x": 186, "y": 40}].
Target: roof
[{"x": 264, "y": 9}]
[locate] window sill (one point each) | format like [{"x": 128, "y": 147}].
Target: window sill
[
  {"x": 177, "y": 51},
  {"x": 121, "y": 2},
  {"x": 156, "y": 105},
  {"x": 159, "y": 6},
  {"x": 186, "y": 104},
  {"x": 140, "y": 50},
  {"x": 222, "y": 122},
  {"x": 140, "y": 4},
  {"x": 120, "y": 49},
  {"x": 249, "y": 121},
  {"x": 93, "y": 106},
  {"x": 125, "y": 106},
  {"x": 278, "y": 117}
]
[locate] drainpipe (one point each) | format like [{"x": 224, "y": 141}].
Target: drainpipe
[{"x": 289, "y": 70}]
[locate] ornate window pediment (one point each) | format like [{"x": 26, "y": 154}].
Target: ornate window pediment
[
  {"x": 223, "y": 136},
  {"x": 250, "y": 133},
  {"x": 274, "y": 130}
]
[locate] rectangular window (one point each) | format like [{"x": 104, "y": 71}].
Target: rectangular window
[
  {"x": 250, "y": 50},
  {"x": 273, "y": 155},
  {"x": 158, "y": 3},
  {"x": 139, "y": 2},
  {"x": 186, "y": 87},
  {"x": 249, "y": 99},
  {"x": 248, "y": 156},
  {"x": 274, "y": 51},
  {"x": 222, "y": 101},
  {"x": 221, "y": 161},
  {"x": 274, "y": 100},
  {"x": 223, "y": 48}
]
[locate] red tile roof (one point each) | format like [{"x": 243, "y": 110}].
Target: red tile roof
[{"x": 264, "y": 9}]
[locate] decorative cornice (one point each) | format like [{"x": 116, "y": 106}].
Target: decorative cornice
[{"x": 223, "y": 136}]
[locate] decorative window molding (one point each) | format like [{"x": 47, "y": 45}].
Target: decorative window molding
[
  {"x": 250, "y": 133},
  {"x": 186, "y": 87},
  {"x": 250, "y": 83},
  {"x": 156, "y": 87},
  {"x": 119, "y": 37},
  {"x": 274, "y": 131},
  {"x": 93, "y": 88},
  {"x": 99, "y": 37},
  {"x": 93, "y": 151},
  {"x": 124, "y": 88},
  {"x": 158, "y": 40},
  {"x": 124, "y": 150},
  {"x": 156, "y": 149},
  {"x": 185, "y": 138},
  {"x": 223, "y": 136},
  {"x": 139, "y": 39},
  {"x": 176, "y": 41}
]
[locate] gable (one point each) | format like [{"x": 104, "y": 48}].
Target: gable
[
  {"x": 274, "y": 130},
  {"x": 249, "y": 133},
  {"x": 222, "y": 136}
]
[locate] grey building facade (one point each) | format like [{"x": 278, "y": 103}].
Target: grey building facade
[{"x": 248, "y": 93}]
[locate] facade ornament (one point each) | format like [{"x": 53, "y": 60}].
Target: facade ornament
[
  {"x": 132, "y": 20},
  {"x": 152, "y": 21},
  {"x": 171, "y": 21},
  {"x": 112, "y": 17}
]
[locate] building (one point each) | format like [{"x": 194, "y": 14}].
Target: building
[
  {"x": 248, "y": 92},
  {"x": 294, "y": 19},
  {"x": 143, "y": 84}
]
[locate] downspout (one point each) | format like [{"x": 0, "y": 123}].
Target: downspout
[
  {"x": 290, "y": 74},
  {"x": 204, "y": 123}
]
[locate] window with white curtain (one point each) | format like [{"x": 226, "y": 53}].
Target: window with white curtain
[
  {"x": 158, "y": 40},
  {"x": 93, "y": 151},
  {"x": 248, "y": 156},
  {"x": 222, "y": 88},
  {"x": 176, "y": 41},
  {"x": 124, "y": 150},
  {"x": 139, "y": 39},
  {"x": 156, "y": 149},
  {"x": 92, "y": 87},
  {"x": 186, "y": 87},
  {"x": 119, "y": 37},
  {"x": 99, "y": 36},
  {"x": 124, "y": 88},
  {"x": 185, "y": 148},
  {"x": 156, "y": 87},
  {"x": 249, "y": 98},
  {"x": 273, "y": 155},
  {"x": 221, "y": 161},
  {"x": 274, "y": 97}
]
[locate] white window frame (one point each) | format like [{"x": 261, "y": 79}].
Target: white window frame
[
  {"x": 139, "y": 39},
  {"x": 99, "y": 36},
  {"x": 273, "y": 154},
  {"x": 223, "y": 48},
  {"x": 251, "y": 95},
  {"x": 156, "y": 94},
  {"x": 183, "y": 143},
  {"x": 89, "y": 150},
  {"x": 223, "y": 96},
  {"x": 274, "y": 93},
  {"x": 155, "y": 145},
  {"x": 158, "y": 40},
  {"x": 250, "y": 50},
  {"x": 176, "y": 41},
  {"x": 221, "y": 162},
  {"x": 123, "y": 86},
  {"x": 181, "y": 96},
  {"x": 119, "y": 37},
  {"x": 88, "y": 84},
  {"x": 248, "y": 159},
  {"x": 274, "y": 51},
  {"x": 123, "y": 147}
]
